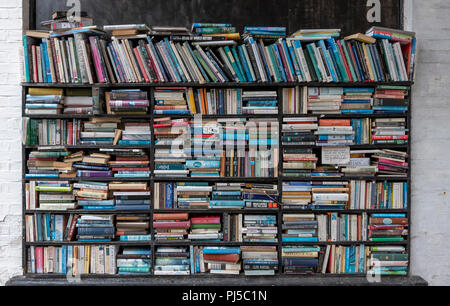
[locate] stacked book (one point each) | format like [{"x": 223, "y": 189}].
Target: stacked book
[
  {"x": 389, "y": 99},
  {"x": 95, "y": 228},
  {"x": 93, "y": 195},
  {"x": 389, "y": 131},
  {"x": 45, "y": 164},
  {"x": 172, "y": 261},
  {"x": 259, "y": 260},
  {"x": 341, "y": 259},
  {"x": 300, "y": 259},
  {"x": 325, "y": 100},
  {"x": 342, "y": 227},
  {"x": 49, "y": 132},
  {"x": 391, "y": 162},
  {"x": 388, "y": 260},
  {"x": 259, "y": 228},
  {"x": 299, "y": 228},
  {"x": 181, "y": 195},
  {"x": 44, "y": 101},
  {"x": 361, "y": 127},
  {"x": 227, "y": 195},
  {"x": 296, "y": 195},
  {"x": 314, "y": 34},
  {"x": 61, "y": 22},
  {"x": 219, "y": 260},
  {"x": 335, "y": 132},
  {"x": 221, "y": 30},
  {"x": 93, "y": 165},
  {"x": 265, "y": 32},
  {"x": 133, "y": 227},
  {"x": 171, "y": 101},
  {"x": 126, "y": 102},
  {"x": 98, "y": 133},
  {"x": 260, "y": 195},
  {"x": 388, "y": 227},
  {"x": 130, "y": 163},
  {"x": 299, "y": 131},
  {"x": 124, "y": 31},
  {"x": 357, "y": 101},
  {"x": 134, "y": 261},
  {"x": 79, "y": 101},
  {"x": 259, "y": 102},
  {"x": 360, "y": 164},
  {"x": 136, "y": 134},
  {"x": 171, "y": 226},
  {"x": 205, "y": 228},
  {"x": 130, "y": 195},
  {"x": 49, "y": 195},
  {"x": 329, "y": 195},
  {"x": 299, "y": 162}
]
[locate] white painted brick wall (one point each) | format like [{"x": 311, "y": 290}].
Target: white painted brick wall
[{"x": 430, "y": 145}]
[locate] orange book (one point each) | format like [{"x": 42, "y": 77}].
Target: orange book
[
  {"x": 334, "y": 122},
  {"x": 234, "y": 258},
  {"x": 171, "y": 216}
]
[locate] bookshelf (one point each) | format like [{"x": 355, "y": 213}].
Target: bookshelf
[{"x": 152, "y": 244}]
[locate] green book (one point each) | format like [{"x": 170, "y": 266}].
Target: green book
[
  {"x": 349, "y": 61},
  {"x": 394, "y": 238},
  {"x": 214, "y": 226},
  {"x": 47, "y": 188},
  {"x": 312, "y": 57},
  {"x": 205, "y": 66}
]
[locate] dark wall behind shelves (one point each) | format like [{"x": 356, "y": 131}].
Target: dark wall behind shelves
[{"x": 349, "y": 15}]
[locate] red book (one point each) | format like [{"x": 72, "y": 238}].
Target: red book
[
  {"x": 141, "y": 65},
  {"x": 349, "y": 74},
  {"x": 35, "y": 65},
  {"x": 169, "y": 124},
  {"x": 70, "y": 133},
  {"x": 389, "y": 137},
  {"x": 130, "y": 169},
  {"x": 392, "y": 162},
  {"x": 39, "y": 260},
  {"x": 233, "y": 258},
  {"x": 388, "y": 221},
  {"x": 205, "y": 220},
  {"x": 334, "y": 122},
  {"x": 172, "y": 224},
  {"x": 131, "y": 158}
]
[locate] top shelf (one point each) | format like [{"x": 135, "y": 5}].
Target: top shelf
[{"x": 228, "y": 84}]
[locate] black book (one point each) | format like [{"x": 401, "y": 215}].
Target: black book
[{"x": 252, "y": 57}]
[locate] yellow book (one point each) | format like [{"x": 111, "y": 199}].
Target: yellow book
[
  {"x": 366, "y": 55},
  {"x": 190, "y": 96},
  {"x": 46, "y": 91},
  {"x": 362, "y": 38},
  {"x": 87, "y": 257},
  {"x": 233, "y": 36}
]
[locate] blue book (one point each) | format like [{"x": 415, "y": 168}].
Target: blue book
[
  {"x": 134, "y": 142},
  {"x": 388, "y": 215},
  {"x": 169, "y": 195},
  {"x": 47, "y": 70},
  {"x": 41, "y": 105},
  {"x": 299, "y": 239},
  {"x": 173, "y": 60},
  {"x": 27, "y": 59},
  {"x": 100, "y": 207},
  {"x": 202, "y": 164},
  {"x": 289, "y": 60},
  {"x": 358, "y": 64},
  {"x": 63, "y": 259},
  {"x": 191, "y": 257},
  {"x": 328, "y": 60},
  {"x": 132, "y": 207},
  {"x": 280, "y": 63},
  {"x": 135, "y": 238},
  {"x": 244, "y": 63},
  {"x": 266, "y": 29},
  {"x": 260, "y": 32},
  {"x": 357, "y": 111},
  {"x": 233, "y": 63},
  {"x": 89, "y": 167},
  {"x": 47, "y": 227},
  {"x": 226, "y": 203},
  {"x": 221, "y": 250},
  {"x": 39, "y": 227},
  {"x": 238, "y": 64},
  {"x": 171, "y": 112}
]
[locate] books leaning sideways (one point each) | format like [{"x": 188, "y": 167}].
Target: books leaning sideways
[
  {"x": 95, "y": 228},
  {"x": 259, "y": 260},
  {"x": 388, "y": 260},
  {"x": 44, "y": 101},
  {"x": 300, "y": 259},
  {"x": 299, "y": 228},
  {"x": 171, "y": 226},
  {"x": 172, "y": 261},
  {"x": 134, "y": 261},
  {"x": 388, "y": 227},
  {"x": 206, "y": 228},
  {"x": 127, "y": 102}
]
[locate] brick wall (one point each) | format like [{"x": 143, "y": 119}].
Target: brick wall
[{"x": 430, "y": 146}]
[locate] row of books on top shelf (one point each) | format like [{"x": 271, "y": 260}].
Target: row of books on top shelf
[
  {"x": 253, "y": 260},
  {"x": 232, "y": 147},
  {"x": 102, "y": 163},
  {"x": 383, "y": 99},
  {"x": 94, "y": 132},
  {"x": 88, "y": 55}
]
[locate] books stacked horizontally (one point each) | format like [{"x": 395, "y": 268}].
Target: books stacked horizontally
[
  {"x": 61, "y": 22},
  {"x": 388, "y": 227},
  {"x": 259, "y": 102},
  {"x": 300, "y": 259},
  {"x": 47, "y": 132},
  {"x": 259, "y": 228},
  {"x": 98, "y": 133},
  {"x": 296, "y": 195},
  {"x": 44, "y": 101},
  {"x": 206, "y": 228},
  {"x": 136, "y": 134},
  {"x": 134, "y": 261},
  {"x": 391, "y": 163},
  {"x": 361, "y": 127},
  {"x": 93, "y": 195},
  {"x": 298, "y": 162},
  {"x": 388, "y": 260},
  {"x": 130, "y": 163},
  {"x": 325, "y": 100},
  {"x": 259, "y": 260},
  {"x": 220, "y": 260},
  {"x": 389, "y": 131},
  {"x": 169, "y": 158},
  {"x": 299, "y": 228},
  {"x": 172, "y": 261},
  {"x": 225, "y": 30},
  {"x": 378, "y": 195},
  {"x": 93, "y": 165},
  {"x": 342, "y": 227},
  {"x": 131, "y": 195},
  {"x": 45, "y": 164},
  {"x": 314, "y": 34},
  {"x": 357, "y": 101},
  {"x": 360, "y": 164},
  {"x": 67, "y": 259},
  {"x": 127, "y": 30},
  {"x": 329, "y": 195},
  {"x": 260, "y": 195},
  {"x": 133, "y": 227},
  {"x": 341, "y": 259},
  {"x": 171, "y": 101},
  {"x": 191, "y": 195},
  {"x": 95, "y": 228},
  {"x": 78, "y": 101},
  {"x": 126, "y": 102},
  {"x": 49, "y": 195},
  {"x": 171, "y": 226},
  {"x": 335, "y": 132},
  {"x": 299, "y": 131},
  {"x": 389, "y": 99},
  {"x": 227, "y": 195},
  {"x": 265, "y": 32}
]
